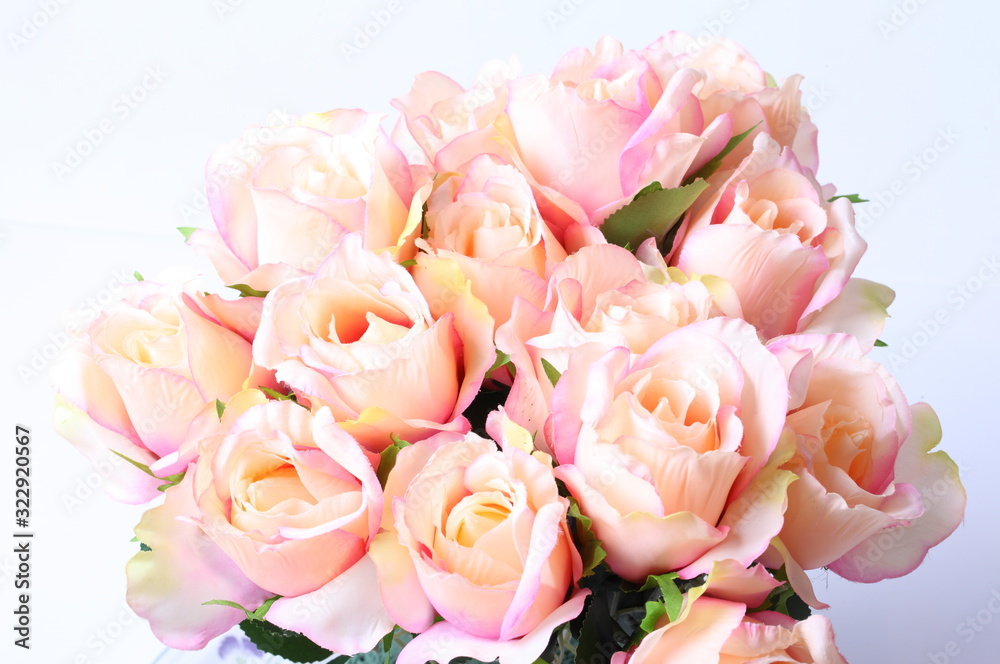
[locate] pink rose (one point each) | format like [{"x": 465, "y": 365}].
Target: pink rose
[
  {"x": 359, "y": 337},
  {"x": 601, "y": 294},
  {"x": 606, "y": 125},
  {"x": 609, "y": 121},
  {"x": 282, "y": 204},
  {"x": 669, "y": 448},
  {"x": 437, "y": 109},
  {"x": 283, "y": 503},
  {"x": 714, "y": 631},
  {"x": 486, "y": 220},
  {"x": 143, "y": 380},
  {"x": 479, "y": 537},
  {"x": 770, "y": 232},
  {"x": 870, "y": 499},
  {"x": 736, "y": 87}
]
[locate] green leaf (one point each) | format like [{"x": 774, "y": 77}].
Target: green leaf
[
  {"x": 138, "y": 277},
  {"x": 257, "y": 614},
  {"x": 783, "y": 599},
  {"x": 591, "y": 549},
  {"x": 220, "y": 408},
  {"x": 654, "y": 611},
  {"x": 715, "y": 162},
  {"x": 141, "y": 466},
  {"x": 186, "y": 231},
  {"x": 246, "y": 291},
  {"x": 408, "y": 263},
  {"x": 550, "y": 371},
  {"x": 261, "y": 611},
  {"x": 880, "y": 344},
  {"x": 502, "y": 359},
  {"x": 277, "y": 395},
  {"x": 854, "y": 198},
  {"x": 673, "y": 598},
  {"x": 143, "y": 547},
  {"x": 387, "y": 459},
  {"x": 172, "y": 480},
  {"x": 387, "y": 644},
  {"x": 597, "y": 632},
  {"x": 648, "y": 189},
  {"x": 291, "y": 645},
  {"x": 651, "y": 214},
  {"x": 226, "y": 602}
]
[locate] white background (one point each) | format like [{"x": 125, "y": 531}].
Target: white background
[{"x": 886, "y": 83}]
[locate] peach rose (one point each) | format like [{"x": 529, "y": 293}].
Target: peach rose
[
  {"x": 609, "y": 121},
  {"x": 477, "y": 536},
  {"x": 437, "y": 110},
  {"x": 359, "y": 337},
  {"x": 143, "y": 379},
  {"x": 283, "y": 503},
  {"x": 486, "y": 220},
  {"x": 771, "y": 234},
  {"x": 282, "y": 204},
  {"x": 601, "y": 294},
  {"x": 736, "y": 88},
  {"x": 716, "y": 631},
  {"x": 854, "y": 508},
  {"x": 669, "y": 448}
]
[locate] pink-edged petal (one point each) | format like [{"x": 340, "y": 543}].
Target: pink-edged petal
[
  {"x": 697, "y": 637},
  {"x": 772, "y": 273},
  {"x": 547, "y": 534},
  {"x": 346, "y": 615},
  {"x": 122, "y": 480},
  {"x": 753, "y": 519},
  {"x": 291, "y": 567},
  {"x": 844, "y": 256},
  {"x": 731, "y": 580},
  {"x": 297, "y": 234},
  {"x": 169, "y": 584},
  {"x": 900, "y": 550},
  {"x": 444, "y": 642},
  {"x": 399, "y": 586},
  {"x": 219, "y": 358},
  {"x": 448, "y": 291},
  {"x": 859, "y": 310},
  {"x": 78, "y": 378},
  {"x": 820, "y": 526},
  {"x": 776, "y": 556},
  {"x": 161, "y": 404},
  {"x": 555, "y": 127},
  {"x": 816, "y": 637},
  {"x": 241, "y": 315},
  {"x": 209, "y": 244},
  {"x": 669, "y": 542},
  {"x": 763, "y": 400}
]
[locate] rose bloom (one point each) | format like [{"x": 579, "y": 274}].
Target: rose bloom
[
  {"x": 870, "y": 499},
  {"x": 283, "y": 197},
  {"x": 437, "y": 110},
  {"x": 142, "y": 380},
  {"x": 717, "y": 631},
  {"x": 283, "y": 503},
  {"x": 606, "y": 123},
  {"x": 477, "y": 536},
  {"x": 601, "y": 294},
  {"x": 771, "y": 234},
  {"x": 485, "y": 220},
  {"x": 669, "y": 448},
  {"x": 359, "y": 337}
]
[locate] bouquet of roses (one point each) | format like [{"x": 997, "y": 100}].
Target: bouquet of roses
[{"x": 561, "y": 368}]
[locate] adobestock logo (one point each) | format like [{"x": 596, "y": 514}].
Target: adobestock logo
[{"x": 970, "y": 628}]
